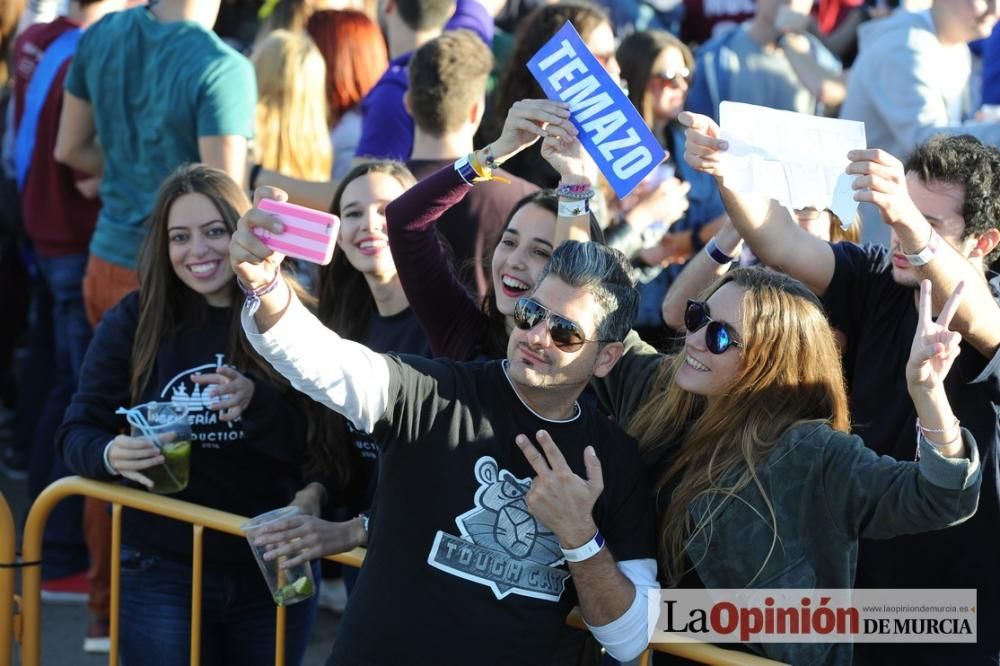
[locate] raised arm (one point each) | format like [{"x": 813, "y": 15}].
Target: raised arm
[
  {"x": 450, "y": 317},
  {"x": 613, "y": 598},
  {"x": 883, "y": 182},
  {"x": 878, "y": 497},
  {"x": 343, "y": 375},
  {"x": 700, "y": 272},
  {"x": 576, "y": 170},
  {"x": 767, "y": 227},
  {"x": 823, "y": 82}
]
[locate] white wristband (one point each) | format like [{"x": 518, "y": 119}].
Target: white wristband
[
  {"x": 925, "y": 255},
  {"x": 586, "y": 551},
  {"x": 573, "y": 207},
  {"x": 107, "y": 463}
]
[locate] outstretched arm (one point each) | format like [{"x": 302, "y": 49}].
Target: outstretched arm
[
  {"x": 767, "y": 227},
  {"x": 882, "y": 181},
  {"x": 345, "y": 376}
]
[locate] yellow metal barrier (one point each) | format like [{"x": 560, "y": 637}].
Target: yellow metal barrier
[
  {"x": 200, "y": 517},
  {"x": 8, "y": 563}
]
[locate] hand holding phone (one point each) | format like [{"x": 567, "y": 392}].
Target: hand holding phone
[{"x": 310, "y": 235}]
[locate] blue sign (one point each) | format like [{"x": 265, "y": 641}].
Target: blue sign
[{"x": 611, "y": 130}]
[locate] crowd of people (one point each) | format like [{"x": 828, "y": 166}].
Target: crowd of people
[{"x": 521, "y": 393}]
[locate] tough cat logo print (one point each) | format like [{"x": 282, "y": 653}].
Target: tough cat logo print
[{"x": 502, "y": 545}]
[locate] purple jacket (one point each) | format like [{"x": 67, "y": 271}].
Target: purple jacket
[{"x": 387, "y": 129}]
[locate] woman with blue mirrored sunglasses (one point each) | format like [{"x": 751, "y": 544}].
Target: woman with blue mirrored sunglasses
[{"x": 719, "y": 336}]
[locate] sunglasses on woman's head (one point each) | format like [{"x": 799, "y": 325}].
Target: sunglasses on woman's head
[
  {"x": 566, "y": 335},
  {"x": 718, "y": 336},
  {"x": 672, "y": 78}
]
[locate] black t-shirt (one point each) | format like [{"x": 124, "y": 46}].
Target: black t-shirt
[
  {"x": 247, "y": 466},
  {"x": 879, "y": 318},
  {"x": 458, "y": 571},
  {"x": 400, "y": 333}
]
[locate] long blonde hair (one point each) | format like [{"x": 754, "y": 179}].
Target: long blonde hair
[
  {"x": 292, "y": 136},
  {"x": 790, "y": 374}
]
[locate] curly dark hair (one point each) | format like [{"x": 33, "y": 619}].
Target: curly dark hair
[{"x": 964, "y": 160}]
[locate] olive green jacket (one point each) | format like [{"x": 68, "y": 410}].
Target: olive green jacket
[{"x": 827, "y": 489}]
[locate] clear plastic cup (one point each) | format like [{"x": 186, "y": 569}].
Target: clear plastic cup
[
  {"x": 288, "y": 586},
  {"x": 165, "y": 418}
]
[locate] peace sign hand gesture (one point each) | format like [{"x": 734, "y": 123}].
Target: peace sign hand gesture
[
  {"x": 934, "y": 346},
  {"x": 558, "y": 498}
]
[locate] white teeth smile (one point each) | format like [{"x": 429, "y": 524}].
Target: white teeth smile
[
  {"x": 700, "y": 367},
  {"x": 371, "y": 244},
  {"x": 203, "y": 269},
  {"x": 514, "y": 283}
]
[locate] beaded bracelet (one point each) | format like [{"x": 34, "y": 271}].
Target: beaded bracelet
[
  {"x": 922, "y": 428},
  {"x": 253, "y": 295},
  {"x": 576, "y": 192}
]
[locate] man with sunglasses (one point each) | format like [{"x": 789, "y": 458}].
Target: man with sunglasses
[
  {"x": 479, "y": 534},
  {"x": 942, "y": 210}
]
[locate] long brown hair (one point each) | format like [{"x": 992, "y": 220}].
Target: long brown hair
[
  {"x": 291, "y": 134},
  {"x": 790, "y": 374},
  {"x": 166, "y": 305},
  {"x": 345, "y": 305},
  {"x": 636, "y": 55},
  {"x": 494, "y": 341},
  {"x": 345, "y": 300}
]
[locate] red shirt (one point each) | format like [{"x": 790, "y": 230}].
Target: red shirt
[
  {"x": 703, "y": 18},
  {"x": 57, "y": 218}
]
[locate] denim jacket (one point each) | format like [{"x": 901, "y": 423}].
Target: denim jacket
[{"x": 827, "y": 490}]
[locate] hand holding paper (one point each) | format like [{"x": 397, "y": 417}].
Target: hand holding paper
[
  {"x": 702, "y": 145},
  {"x": 527, "y": 121},
  {"x": 796, "y": 159},
  {"x": 570, "y": 160},
  {"x": 881, "y": 180},
  {"x": 611, "y": 130}
]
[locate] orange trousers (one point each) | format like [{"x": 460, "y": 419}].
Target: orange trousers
[{"x": 104, "y": 284}]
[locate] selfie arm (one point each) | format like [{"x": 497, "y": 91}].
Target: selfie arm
[{"x": 343, "y": 375}]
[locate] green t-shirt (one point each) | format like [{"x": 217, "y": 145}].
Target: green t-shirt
[{"x": 155, "y": 88}]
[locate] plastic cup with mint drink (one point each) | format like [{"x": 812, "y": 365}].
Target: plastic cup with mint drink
[
  {"x": 166, "y": 425},
  {"x": 287, "y": 585}
]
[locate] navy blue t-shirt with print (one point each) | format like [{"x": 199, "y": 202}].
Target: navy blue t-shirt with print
[
  {"x": 247, "y": 466},
  {"x": 458, "y": 571},
  {"x": 879, "y": 318},
  {"x": 399, "y": 333}
]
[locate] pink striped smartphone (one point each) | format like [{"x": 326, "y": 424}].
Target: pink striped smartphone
[{"x": 309, "y": 234}]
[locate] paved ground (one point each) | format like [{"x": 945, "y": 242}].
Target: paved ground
[{"x": 63, "y": 627}]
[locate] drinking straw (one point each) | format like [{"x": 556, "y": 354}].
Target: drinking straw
[{"x": 137, "y": 419}]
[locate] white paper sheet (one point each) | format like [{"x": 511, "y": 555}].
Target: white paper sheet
[{"x": 797, "y": 159}]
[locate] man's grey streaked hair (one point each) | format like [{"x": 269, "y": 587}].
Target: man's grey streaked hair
[{"x": 606, "y": 274}]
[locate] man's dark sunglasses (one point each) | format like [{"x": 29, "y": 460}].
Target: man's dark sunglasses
[
  {"x": 566, "y": 335},
  {"x": 718, "y": 336}
]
